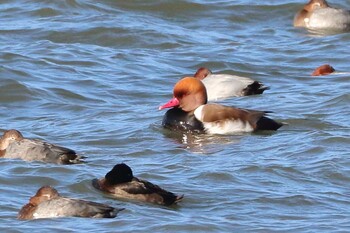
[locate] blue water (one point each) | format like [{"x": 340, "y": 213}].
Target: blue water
[{"x": 90, "y": 76}]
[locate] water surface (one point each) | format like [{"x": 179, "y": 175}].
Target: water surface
[{"x": 90, "y": 76}]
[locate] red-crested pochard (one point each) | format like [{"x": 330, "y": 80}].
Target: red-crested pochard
[
  {"x": 190, "y": 111},
  {"x": 317, "y": 14},
  {"x": 323, "y": 70},
  {"x": 222, "y": 86},
  {"x": 120, "y": 183},
  {"x": 14, "y": 145},
  {"x": 47, "y": 203}
]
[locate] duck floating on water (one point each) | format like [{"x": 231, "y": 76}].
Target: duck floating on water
[
  {"x": 120, "y": 183},
  {"x": 14, "y": 145},
  {"x": 323, "y": 70},
  {"x": 317, "y": 14},
  {"x": 222, "y": 86},
  {"x": 190, "y": 111},
  {"x": 47, "y": 203}
]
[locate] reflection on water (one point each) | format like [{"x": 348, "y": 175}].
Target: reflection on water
[
  {"x": 201, "y": 143},
  {"x": 324, "y": 32}
]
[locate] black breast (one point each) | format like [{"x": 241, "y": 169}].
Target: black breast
[{"x": 177, "y": 119}]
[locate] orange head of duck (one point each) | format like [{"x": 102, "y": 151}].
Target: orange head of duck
[{"x": 189, "y": 93}]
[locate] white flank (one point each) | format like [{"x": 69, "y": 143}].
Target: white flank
[
  {"x": 229, "y": 126},
  {"x": 198, "y": 113},
  {"x": 330, "y": 18},
  {"x": 220, "y": 86}
]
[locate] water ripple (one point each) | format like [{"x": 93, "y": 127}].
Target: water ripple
[{"x": 90, "y": 76}]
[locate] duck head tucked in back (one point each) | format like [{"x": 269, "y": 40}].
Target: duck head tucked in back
[
  {"x": 7, "y": 138},
  {"x": 318, "y": 15},
  {"x": 14, "y": 145},
  {"x": 48, "y": 203},
  {"x": 223, "y": 86},
  {"x": 45, "y": 193},
  {"x": 202, "y": 73},
  {"x": 190, "y": 96},
  {"x": 302, "y": 17},
  {"x": 121, "y": 183},
  {"x": 323, "y": 70},
  {"x": 121, "y": 173}
]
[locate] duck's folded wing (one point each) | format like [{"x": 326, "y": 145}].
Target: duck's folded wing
[
  {"x": 55, "y": 148},
  {"x": 64, "y": 207},
  {"x": 25, "y": 149},
  {"x": 220, "y": 86},
  {"x": 137, "y": 186},
  {"x": 216, "y": 112},
  {"x": 65, "y": 155},
  {"x": 37, "y": 150}
]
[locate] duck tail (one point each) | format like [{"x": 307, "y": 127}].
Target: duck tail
[
  {"x": 72, "y": 159},
  {"x": 179, "y": 198},
  {"x": 255, "y": 88},
  {"x": 112, "y": 213},
  {"x": 265, "y": 123},
  {"x": 170, "y": 198}
]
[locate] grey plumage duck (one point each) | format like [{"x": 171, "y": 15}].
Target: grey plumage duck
[
  {"x": 48, "y": 203},
  {"x": 14, "y": 145}
]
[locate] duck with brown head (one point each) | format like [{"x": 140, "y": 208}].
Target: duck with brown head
[
  {"x": 318, "y": 15},
  {"x": 191, "y": 97},
  {"x": 14, "y": 145},
  {"x": 181, "y": 117},
  {"x": 323, "y": 70},
  {"x": 48, "y": 203},
  {"x": 120, "y": 183},
  {"x": 223, "y": 86}
]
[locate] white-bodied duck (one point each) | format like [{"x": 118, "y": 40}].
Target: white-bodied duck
[
  {"x": 318, "y": 15},
  {"x": 222, "y": 86}
]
